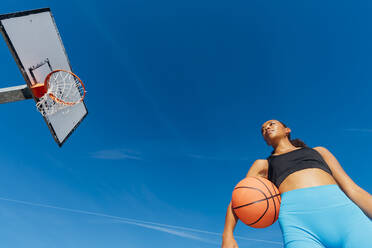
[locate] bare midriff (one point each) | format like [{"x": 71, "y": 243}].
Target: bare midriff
[{"x": 306, "y": 178}]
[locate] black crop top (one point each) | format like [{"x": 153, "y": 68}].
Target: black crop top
[{"x": 281, "y": 166}]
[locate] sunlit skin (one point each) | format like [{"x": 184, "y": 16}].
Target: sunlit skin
[{"x": 276, "y": 135}]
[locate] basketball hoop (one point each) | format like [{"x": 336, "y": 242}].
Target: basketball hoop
[{"x": 61, "y": 89}]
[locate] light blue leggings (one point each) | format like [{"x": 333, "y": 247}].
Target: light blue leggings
[{"x": 323, "y": 217}]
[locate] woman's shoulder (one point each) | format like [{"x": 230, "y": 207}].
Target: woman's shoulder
[
  {"x": 321, "y": 149},
  {"x": 259, "y": 168},
  {"x": 260, "y": 163}
]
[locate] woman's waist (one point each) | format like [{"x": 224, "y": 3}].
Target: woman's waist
[{"x": 306, "y": 178}]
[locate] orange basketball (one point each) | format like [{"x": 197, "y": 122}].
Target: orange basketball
[{"x": 256, "y": 202}]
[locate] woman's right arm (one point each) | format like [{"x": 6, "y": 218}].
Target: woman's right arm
[
  {"x": 231, "y": 219},
  {"x": 258, "y": 168}
]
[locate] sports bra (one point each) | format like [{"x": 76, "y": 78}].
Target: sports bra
[{"x": 282, "y": 165}]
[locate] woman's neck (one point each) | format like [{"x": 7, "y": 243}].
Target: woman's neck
[{"x": 283, "y": 146}]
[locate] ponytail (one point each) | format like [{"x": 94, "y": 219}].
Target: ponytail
[{"x": 298, "y": 143}]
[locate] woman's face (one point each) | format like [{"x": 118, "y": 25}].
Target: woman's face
[{"x": 273, "y": 130}]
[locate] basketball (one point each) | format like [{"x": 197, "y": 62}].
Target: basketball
[{"x": 256, "y": 202}]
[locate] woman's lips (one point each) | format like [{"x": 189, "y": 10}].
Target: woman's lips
[{"x": 268, "y": 132}]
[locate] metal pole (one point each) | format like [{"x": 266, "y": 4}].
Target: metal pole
[{"x": 16, "y": 93}]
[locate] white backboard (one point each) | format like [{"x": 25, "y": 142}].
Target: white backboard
[{"x": 33, "y": 38}]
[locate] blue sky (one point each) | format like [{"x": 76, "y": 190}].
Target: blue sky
[{"x": 177, "y": 92}]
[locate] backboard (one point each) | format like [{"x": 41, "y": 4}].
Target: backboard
[{"x": 34, "y": 41}]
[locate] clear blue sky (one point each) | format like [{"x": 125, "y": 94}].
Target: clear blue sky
[{"x": 177, "y": 92}]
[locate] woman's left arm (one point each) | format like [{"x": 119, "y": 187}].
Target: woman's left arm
[{"x": 361, "y": 197}]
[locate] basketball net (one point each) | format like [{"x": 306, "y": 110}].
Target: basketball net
[{"x": 64, "y": 90}]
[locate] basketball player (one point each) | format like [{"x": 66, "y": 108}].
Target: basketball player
[{"x": 321, "y": 206}]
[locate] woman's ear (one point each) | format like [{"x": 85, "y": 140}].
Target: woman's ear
[{"x": 287, "y": 131}]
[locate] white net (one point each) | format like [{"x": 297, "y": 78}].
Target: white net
[{"x": 64, "y": 90}]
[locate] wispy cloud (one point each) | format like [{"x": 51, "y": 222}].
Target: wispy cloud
[
  {"x": 184, "y": 232},
  {"x": 116, "y": 154},
  {"x": 363, "y": 130},
  {"x": 179, "y": 233},
  {"x": 158, "y": 226}
]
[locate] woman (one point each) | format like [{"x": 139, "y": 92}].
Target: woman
[{"x": 321, "y": 206}]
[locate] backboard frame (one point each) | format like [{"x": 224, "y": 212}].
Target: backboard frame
[{"x": 23, "y": 70}]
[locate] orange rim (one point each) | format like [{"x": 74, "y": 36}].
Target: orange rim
[{"x": 56, "y": 99}]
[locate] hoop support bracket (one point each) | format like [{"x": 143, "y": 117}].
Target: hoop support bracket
[{"x": 15, "y": 93}]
